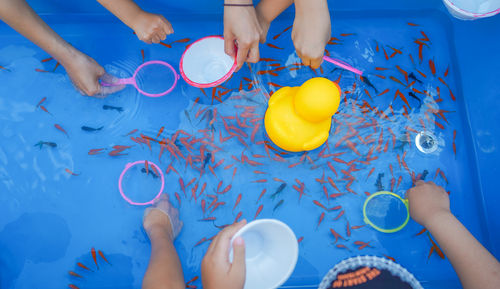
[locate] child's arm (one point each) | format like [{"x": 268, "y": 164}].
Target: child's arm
[
  {"x": 267, "y": 11},
  {"x": 149, "y": 27},
  {"x": 311, "y": 30},
  {"x": 83, "y": 70},
  {"x": 241, "y": 27},
  {"x": 475, "y": 266}
]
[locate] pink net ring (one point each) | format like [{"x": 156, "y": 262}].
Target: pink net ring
[
  {"x": 130, "y": 165},
  {"x": 132, "y": 80}
]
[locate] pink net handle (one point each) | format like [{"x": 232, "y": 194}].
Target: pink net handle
[
  {"x": 127, "y": 167},
  {"x": 343, "y": 65}
]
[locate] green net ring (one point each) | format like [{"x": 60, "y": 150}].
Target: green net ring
[{"x": 367, "y": 220}]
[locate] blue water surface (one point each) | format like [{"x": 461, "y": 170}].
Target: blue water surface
[{"x": 51, "y": 219}]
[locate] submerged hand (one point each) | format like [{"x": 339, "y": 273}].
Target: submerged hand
[
  {"x": 311, "y": 30},
  {"x": 241, "y": 27},
  {"x": 216, "y": 270},
  {"x": 85, "y": 74},
  {"x": 151, "y": 28},
  {"x": 427, "y": 200}
]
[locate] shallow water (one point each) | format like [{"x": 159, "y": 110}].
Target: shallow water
[{"x": 216, "y": 143}]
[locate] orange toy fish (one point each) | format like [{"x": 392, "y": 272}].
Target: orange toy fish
[
  {"x": 273, "y": 46},
  {"x": 320, "y": 219},
  {"x": 41, "y": 101},
  {"x": 102, "y": 256},
  {"x": 258, "y": 211},
  {"x": 71, "y": 173},
  {"x": 83, "y": 266},
  {"x": 75, "y": 274},
  {"x": 61, "y": 129},
  {"x": 94, "y": 256}
]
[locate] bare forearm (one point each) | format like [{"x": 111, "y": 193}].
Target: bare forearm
[
  {"x": 21, "y": 17},
  {"x": 311, "y": 6},
  {"x": 126, "y": 10},
  {"x": 270, "y": 9},
  {"x": 475, "y": 266},
  {"x": 164, "y": 270}
]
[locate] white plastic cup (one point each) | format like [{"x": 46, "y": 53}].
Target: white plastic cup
[
  {"x": 205, "y": 64},
  {"x": 271, "y": 253}
]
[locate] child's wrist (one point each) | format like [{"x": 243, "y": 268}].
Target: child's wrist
[
  {"x": 67, "y": 54},
  {"x": 263, "y": 16},
  {"x": 304, "y": 6},
  {"x": 435, "y": 219},
  {"x": 132, "y": 21},
  {"x": 238, "y": 2}
]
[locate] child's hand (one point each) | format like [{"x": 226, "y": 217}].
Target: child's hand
[
  {"x": 151, "y": 28},
  {"x": 427, "y": 200},
  {"x": 241, "y": 26},
  {"x": 311, "y": 30},
  {"x": 85, "y": 73},
  {"x": 216, "y": 271}
]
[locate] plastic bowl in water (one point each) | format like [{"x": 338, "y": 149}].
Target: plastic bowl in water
[
  {"x": 271, "y": 252},
  {"x": 472, "y": 9},
  {"x": 205, "y": 64}
]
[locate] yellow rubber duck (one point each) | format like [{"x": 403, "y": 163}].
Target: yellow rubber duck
[{"x": 299, "y": 118}]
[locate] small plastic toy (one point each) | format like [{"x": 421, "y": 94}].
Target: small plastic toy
[{"x": 299, "y": 118}]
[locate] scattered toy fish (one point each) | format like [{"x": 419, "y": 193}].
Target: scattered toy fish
[
  {"x": 91, "y": 129},
  {"x": 40, "y": 144},
  {"x": 378, "y": 184},
  {"x": 109, "y": 107},
  {"x": 367, "y": 82}
]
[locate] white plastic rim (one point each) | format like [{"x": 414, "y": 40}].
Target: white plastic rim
[
  {"x": 472, "y": 9},
  {"x": 271, "y": 253},
  {"x": 205, "y": 64}
]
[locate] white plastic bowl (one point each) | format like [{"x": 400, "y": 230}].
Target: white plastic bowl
[
  {"x": 472, "y": 9},
  {"x": 271, "y": 253},
  {"x": 205, "y": 64}
]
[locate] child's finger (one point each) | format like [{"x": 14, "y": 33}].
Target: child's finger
[
  {"x": 242, "y": 56},
  {"x": 239, "y": 266},
  {"x": 167, "y": 27},
  {"x": 221, "y": 251},
  {"x": 316, "y": 62},
  {"x": 253, "y": 54},
  {"x": 145, "y": 40},
  {"x": 163, "y": 34},
  {"x": 155, "y": 38},
  {"x": 306, "y": 61},
  {"x": 104, "y": 90},
  {"x": 229, "y": 48}
]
